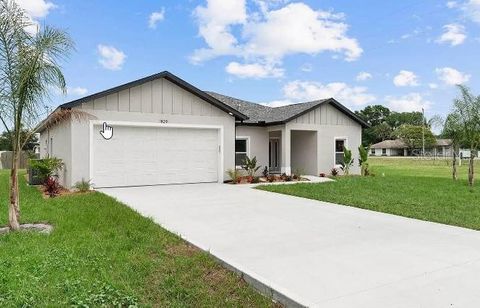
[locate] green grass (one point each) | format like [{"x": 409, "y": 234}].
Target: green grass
[
  {"x": 103, "y": 253},
  {"x": 407, "y": 187}
]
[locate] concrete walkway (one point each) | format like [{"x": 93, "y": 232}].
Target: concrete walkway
[{"x": 320, "y": 254}]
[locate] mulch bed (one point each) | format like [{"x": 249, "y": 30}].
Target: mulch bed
[{"x": 269, "y": 179}]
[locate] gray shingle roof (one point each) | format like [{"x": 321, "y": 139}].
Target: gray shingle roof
[
  {"x": 259, "y": 113},
  {"x": 390, "y": 144}
]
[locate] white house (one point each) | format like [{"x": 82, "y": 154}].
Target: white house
[
  {"x": 167, "y": 131},
  {"x": 442, "y": 148}
]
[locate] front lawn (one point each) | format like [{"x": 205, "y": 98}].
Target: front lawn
[
  {"x": 421, "y": 189},
  {"x": 103, "y": 253}
]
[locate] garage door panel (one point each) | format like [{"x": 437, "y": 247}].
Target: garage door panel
[{"x": 155, "y": 155}]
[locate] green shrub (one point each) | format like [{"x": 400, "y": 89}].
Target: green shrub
[
  {"x": 46, "y": 167},
  {"x": 347, "y": 161},
  {"x": 83, "y": 185},
  {"x": 234, "y": 175},
  {"x": 250, "y": 166}
]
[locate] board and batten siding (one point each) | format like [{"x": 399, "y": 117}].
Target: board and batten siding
[
  {"x": 152, "y": 102},
  {"x": 159, "y": 96},
  {"x": 325, "y": 114}
]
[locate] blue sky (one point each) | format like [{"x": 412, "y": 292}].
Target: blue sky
[{"x": 403, "y": 54}]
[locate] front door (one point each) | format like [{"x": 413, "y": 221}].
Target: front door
[{"x": 274, "y": 155}]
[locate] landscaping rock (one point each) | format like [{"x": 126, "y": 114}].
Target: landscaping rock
[{"x": 41, "y": 228}]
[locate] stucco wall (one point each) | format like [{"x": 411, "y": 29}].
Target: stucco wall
[
  {"x": 153, "y": 102},
  {"x": 258, "y": 143},
  {"x": 304, "y": 152},
  {"x": 60, "y": 148}
]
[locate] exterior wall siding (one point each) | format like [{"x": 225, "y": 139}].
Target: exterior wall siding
[
  {"x": 258, "y": 140},
  {"x": 152, "y": 102},
  {"x": 325, "y": 114},
  {"x": 330, "y": 124},
  {"x": 155, "y": 97},
  {"x": 56, "y": 142}
]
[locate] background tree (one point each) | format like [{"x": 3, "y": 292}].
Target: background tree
[
  {"x": 374, "y": 114},
  {"x": 453, "y": 130},
  {"x": 397, "y": 119},
  {"x": 412, "y": 135},
  {"x": 29, "y": 69},
  {"x": 466, "y": 109},
  {"x": 383, "y": 122},
  {"x": 28, "y": 140}
]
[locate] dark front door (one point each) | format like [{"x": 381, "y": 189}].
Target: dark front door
[{"x": 274, "y": 155}]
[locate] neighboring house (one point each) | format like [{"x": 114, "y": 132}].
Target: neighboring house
[
  {"x": 442, "y": 148},
  {"x": 167, "y": 131}
]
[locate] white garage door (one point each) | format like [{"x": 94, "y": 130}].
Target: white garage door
[{"x": 137, "y": 156}]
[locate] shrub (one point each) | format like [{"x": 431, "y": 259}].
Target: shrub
[
  {"x": 363, "y": 161},
  {"x": 271, "y": 178},
  {"x": 46, "y": 167},
  {"x": 83, "y": 185},
  {"x": 322, "y": 175},
  {"x": 51, "y": 186},
  {"x": 347, "y": 161},
  {"x": 255, "y": 180},
  {"x": 265, "y": 171},
  {"x": 234, "y": 175},
  {"x": 297, "y": 174},
  {"x": 334, "y": 172},
  {"x": 250, "y": 166}
]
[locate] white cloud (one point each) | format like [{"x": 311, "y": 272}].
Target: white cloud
[
  {"x": 362, "y": 76},
  {"x": 155, "y": 18},
  {"x": 35, "y": 9},
  {"x": 278, "y": 103},
  {"x": 472, "y": 9},
  {"x": 454, "y": 34},
  {"x": 77, "y": 91},
  {"x": 452, "y": 4},
  {"x": 254, "y": 70},
  {"x": 297, "y": 28},
  {"x": 433, "y": 85},
  {"x": 407, "y": 103},
  {"x": 306, "y": 67},
  {"x": 311, "y": 90},
  {"x": 110, "y": 57},
  {"x": 267, "y": 35},
  {"x": 215, "y": 22},
  {"x": 405, "y": 78},
  {"x": 451, "y": 76}
]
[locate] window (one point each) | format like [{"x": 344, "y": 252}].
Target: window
[
  {"x": 241, "y": 145},
  {"x": 339, "y": 146},
  {"x": 373, "y": 152},
  {"x": 51, "y": 147},
  {"x": 384, "y": 152}
]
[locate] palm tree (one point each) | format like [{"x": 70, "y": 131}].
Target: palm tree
[
  {"x": 29, "y": 69},
  {"x": 453, "y": 129},
  {"x": 467, "y": 110}
]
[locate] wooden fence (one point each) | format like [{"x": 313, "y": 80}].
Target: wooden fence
[{"x": 6, "y": 160}]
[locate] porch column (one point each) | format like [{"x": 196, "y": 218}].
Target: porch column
[{"x": 286, "y": 152}]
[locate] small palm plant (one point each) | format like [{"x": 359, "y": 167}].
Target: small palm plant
[
  {"x": 250, "y": 166},
  {"x": 347, "y": 161},
  {"x": 234, "y": 175},
  {"x": 363, "y": 161}
]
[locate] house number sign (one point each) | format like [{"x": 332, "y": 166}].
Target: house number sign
[{"x": 163, "y": 121}]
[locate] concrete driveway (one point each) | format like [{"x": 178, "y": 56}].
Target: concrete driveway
[{"x": 320, "y": 254}]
